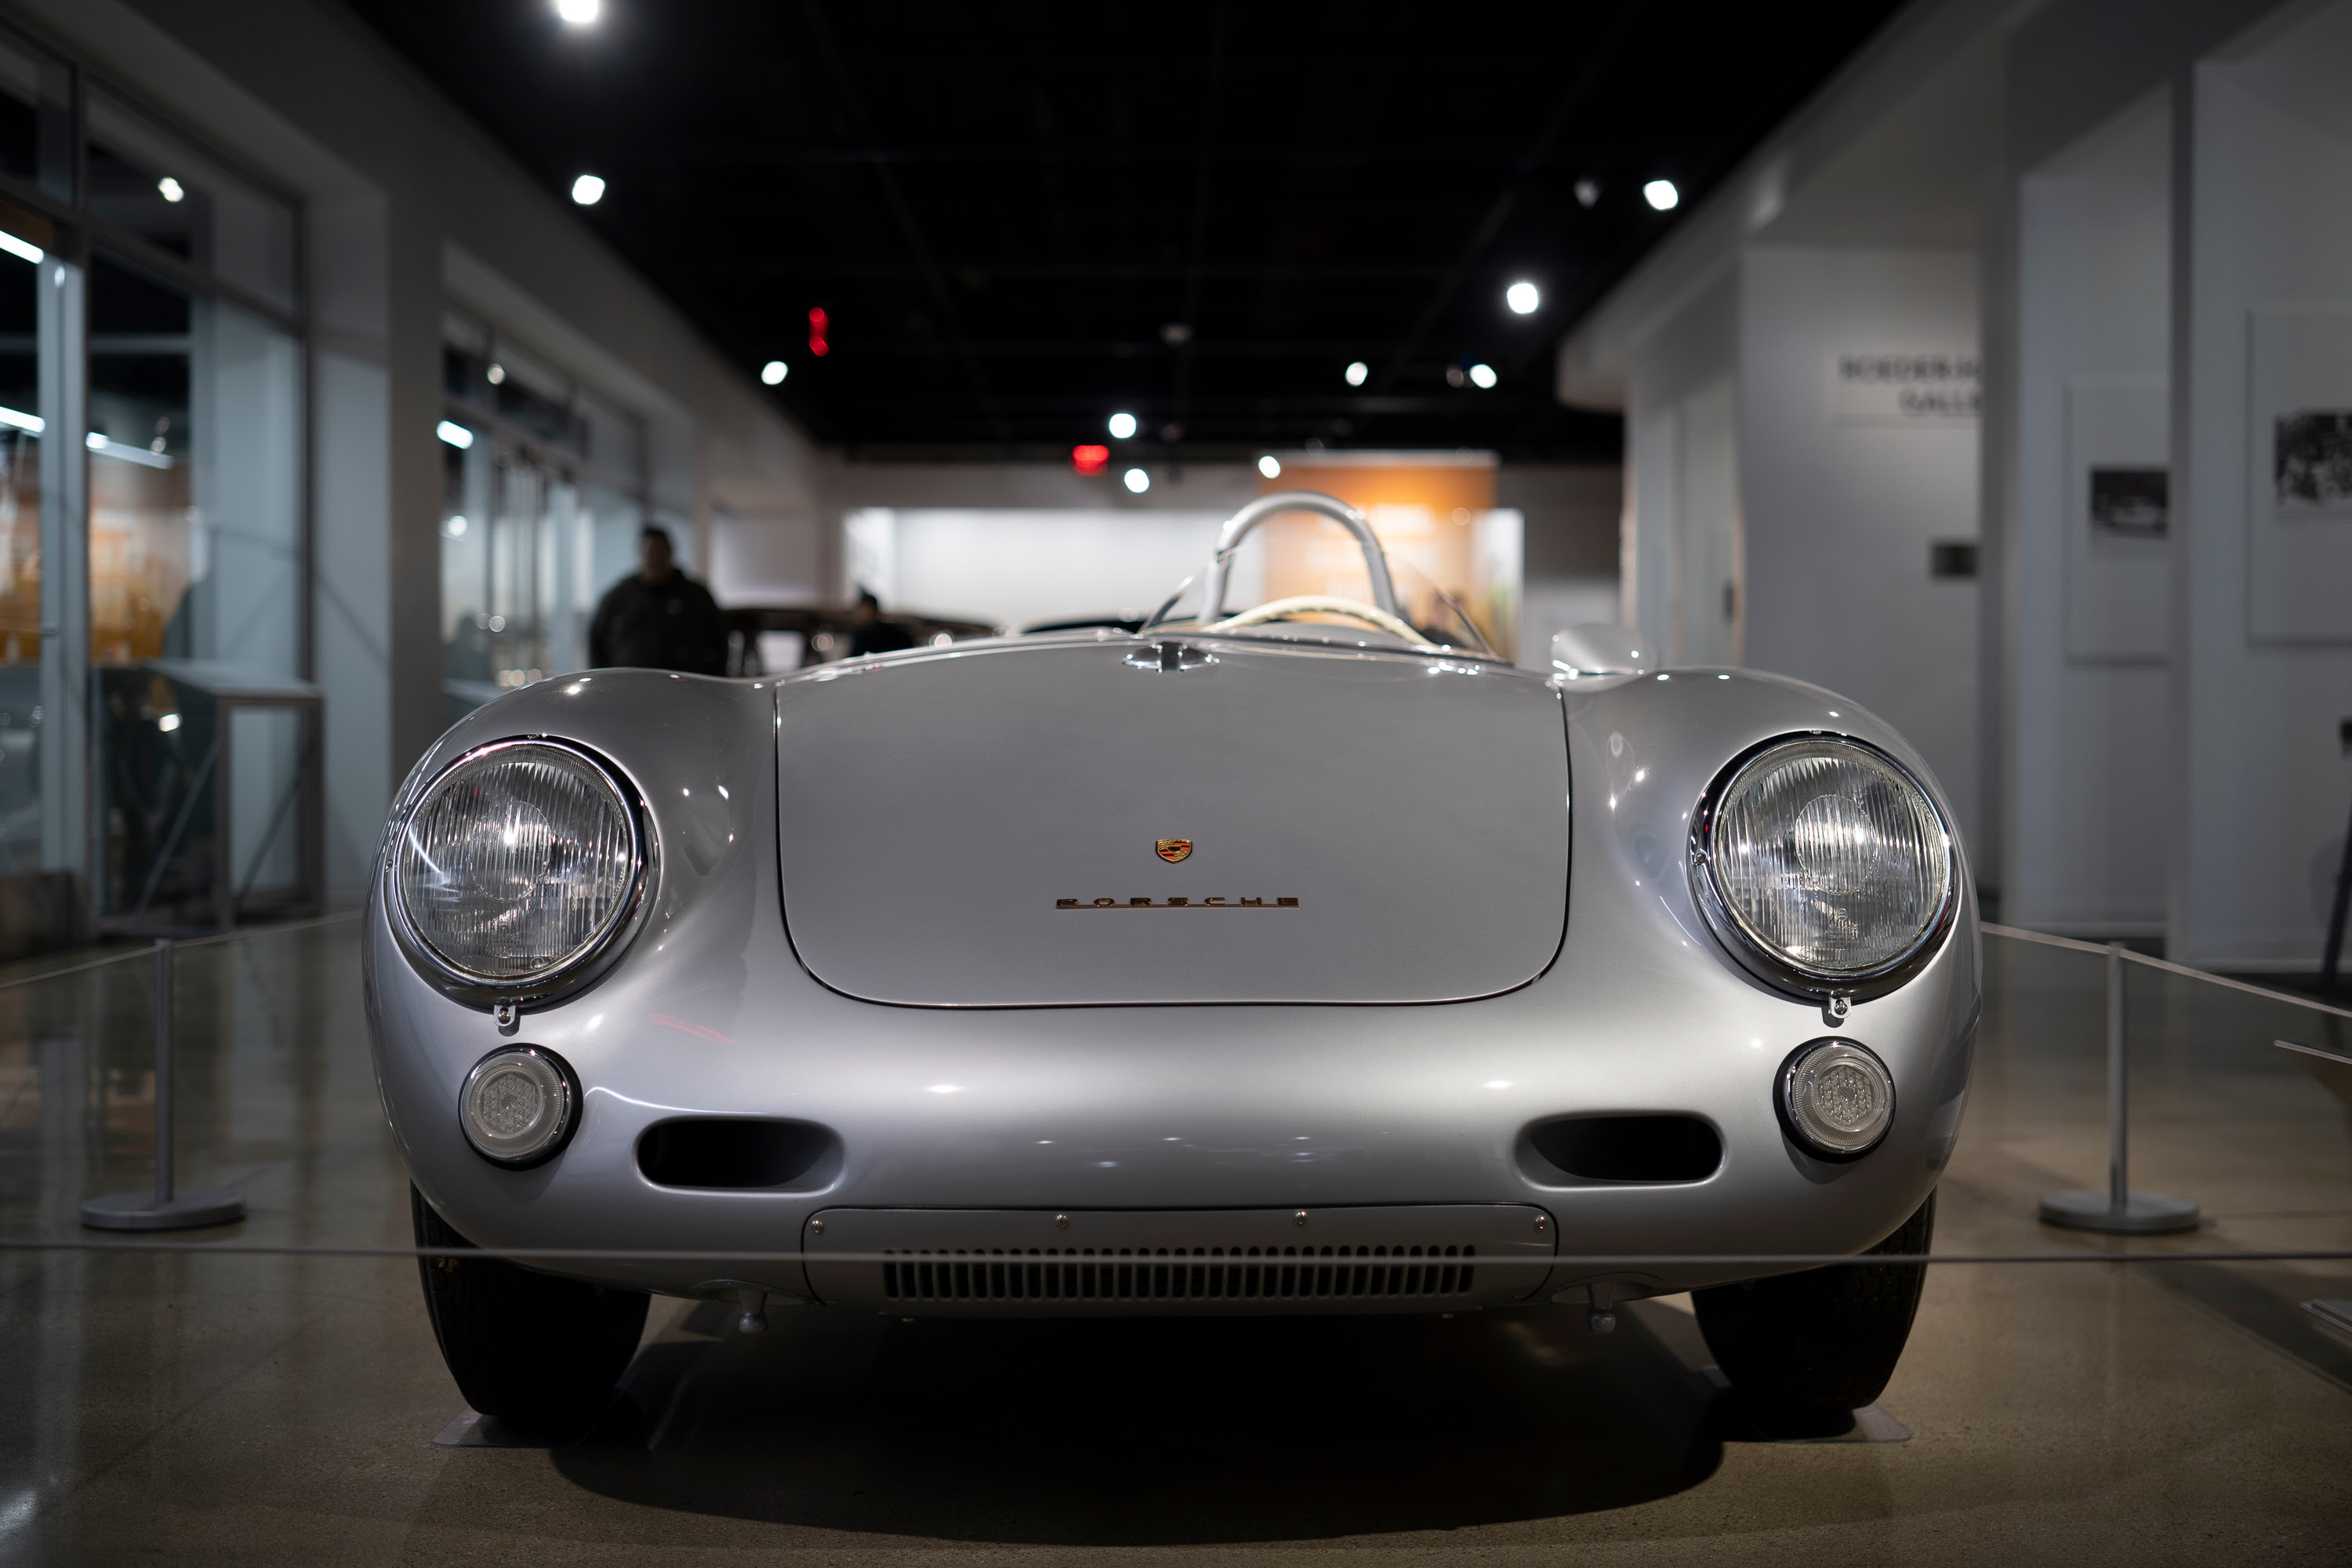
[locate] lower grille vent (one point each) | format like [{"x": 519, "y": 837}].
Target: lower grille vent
[{"x": 1177, "y": 1274}]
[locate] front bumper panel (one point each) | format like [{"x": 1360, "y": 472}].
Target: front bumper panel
[{"x": 995, "y": 1263}]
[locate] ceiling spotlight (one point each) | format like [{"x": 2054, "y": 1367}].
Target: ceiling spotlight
[
  {"x": 1587, "y": 191},
  {"x": 775, "y": 370},
  {"x": 496, "y": 376},
  {"x": 588, "y": 190},
  {"x": 1122, "y": 427},
  {"x": 1089, "y": 459},
  {"x": 1482, "y": 377},
  {"x": 171, "y": 189},
  {"x": 1661, "y": 194},
  {"x": 1358, "y": 371},
  {"x": 1138, "y": 481},
  {"x": 456, "y": 435},
  {"x": 1270, "y": 467},
  {"x": 1454, "y": 375},
  {"x": 579, "y": 13},
  {"x": 1176, "y": 334},
  {"x": 1523, "y": 297}
]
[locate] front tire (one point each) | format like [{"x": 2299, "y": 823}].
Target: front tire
[
  {"x": 1808, "y": 1348},
  {"x": 539, "y": 1354}
]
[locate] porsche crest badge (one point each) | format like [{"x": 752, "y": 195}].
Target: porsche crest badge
[{"x": 1173, "y": 849}]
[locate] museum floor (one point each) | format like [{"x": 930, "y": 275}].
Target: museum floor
[{"x": 265, "y": 1409}]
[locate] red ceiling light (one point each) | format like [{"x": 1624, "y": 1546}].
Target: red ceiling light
[
  {"x": 1089, "y": 459},
  {"x": 818, "y": 322}
]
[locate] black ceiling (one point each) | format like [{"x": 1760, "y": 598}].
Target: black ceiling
[{"x": 1008, "y": 211}]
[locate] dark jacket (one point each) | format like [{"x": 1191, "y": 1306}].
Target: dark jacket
[{"x": 659, "y": 625}]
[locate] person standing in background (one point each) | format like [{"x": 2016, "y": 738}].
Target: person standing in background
[
  {"x": 872, "y": 632},
  {"x": 658, "y": 618}
]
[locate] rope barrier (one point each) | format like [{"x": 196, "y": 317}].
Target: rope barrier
[
  {"x": 2018, "y": 933},
  {"x": 1229, "y": 1259},
  {"x": 238, "y": 935}
]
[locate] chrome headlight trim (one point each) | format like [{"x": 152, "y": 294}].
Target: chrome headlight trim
[
  {"x": 583, "y": 966},
  {"x": 1749, "y": 948}
]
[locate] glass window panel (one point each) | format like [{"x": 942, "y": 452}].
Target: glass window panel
[
  {"x": 615, "y": 439},
  {"x": 35, "y": 119},
  {"x": 20, "y": 568},
  {"x": 195, "y": 479},
  {"x": 465, "y": 360},
  {"x": 533, "y": 397},
  {"x": 157, "y": 186}
]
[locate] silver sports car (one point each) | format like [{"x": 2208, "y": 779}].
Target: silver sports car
[{"x": 1302, "y": 959}]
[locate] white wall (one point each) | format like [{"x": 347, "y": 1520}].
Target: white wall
[
  {"x": 2090, "y": 614},
  {"x": 2264, "y": 670},
  {"x": 1843, "y": 492},
  {"x": 1015, "y": 568},
  {"x": 1681, "y": 484}
]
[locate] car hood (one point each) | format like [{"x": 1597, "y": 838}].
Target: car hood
[{"x": 983, "y": 827}]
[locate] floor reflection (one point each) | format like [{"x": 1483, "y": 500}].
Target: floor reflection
[{"x": 1141, "y": 1433}]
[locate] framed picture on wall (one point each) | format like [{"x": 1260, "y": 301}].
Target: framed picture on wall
[
  {"x": 2299, "y": 474},
  {"x": 2118, "y": 500},
  {"x": 2311, "y": 463},
  {"x": 2130, "y": 502}
]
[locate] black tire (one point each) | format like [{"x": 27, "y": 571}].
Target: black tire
[
  {"x": 1810, "y": 1347},
  {"x": 539, "y": 1354}
]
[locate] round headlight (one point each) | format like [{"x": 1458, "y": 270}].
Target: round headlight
[
  {"x": 517, "y": 867},
  {"x": 1826, "y": 859},
  {"x": 1837, "y": 1098},
  {"x": 519, "y": 1105}
]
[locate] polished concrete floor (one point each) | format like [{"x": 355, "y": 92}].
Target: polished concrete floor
[{"x": 240, "y": 1409}]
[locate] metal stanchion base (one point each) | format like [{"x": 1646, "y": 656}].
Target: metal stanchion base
[
  {"x": 187, "y": 1209},
  {"x": 2335, "y": 1311},
  {"x": 2143, "y": 1213}
]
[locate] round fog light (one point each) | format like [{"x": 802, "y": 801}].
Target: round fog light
[
  {"x": 1836, "y": 1099},
  {"x": 519, "y": 1105}
]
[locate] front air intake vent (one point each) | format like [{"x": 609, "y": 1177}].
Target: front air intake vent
[
  {"x": 1621, "y": 1149},
  {"x": 1078, "y": 1275},
  {"x": 739, "y": 1152}
]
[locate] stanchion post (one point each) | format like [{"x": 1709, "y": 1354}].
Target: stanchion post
[
  {"x": 166, "y": 1207},
  {"x": 2118, "y": 1211}
]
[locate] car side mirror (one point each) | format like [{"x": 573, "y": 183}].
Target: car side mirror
[{"x": 1597, "y": 649}]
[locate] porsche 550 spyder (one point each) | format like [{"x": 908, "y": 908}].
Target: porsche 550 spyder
[{"x": 1297, "y": 960}]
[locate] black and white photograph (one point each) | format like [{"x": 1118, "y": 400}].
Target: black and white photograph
[
  {"x": 2130, "y": 504},
  {"x": 2311, "y": 462}
]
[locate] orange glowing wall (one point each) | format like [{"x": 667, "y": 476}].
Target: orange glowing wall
[{"x": 1427, "y": 514}]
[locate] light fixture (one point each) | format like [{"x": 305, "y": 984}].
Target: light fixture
[
  {"x": 519, "y": 1106},
  {"x": 1122, "y": 426},
  {"x": 1482, "y": 377},
  {"x": 1090, "y": 459},
  {"x": 24, "y": 249},
  {"x": 1270, "y": 467},
  {"x": 19, "y": 420},
  {"x": 496, "y": 376},
  {"x": 773, "y": 372},
  {"x": 1661, "y": 194},
  {"x": 588, "y": 190},
  {"x": 1523, "y": 297},
  {"x": 1358, "y": 371},
  {"x": 171, "y": 189},
  {"x": 820, "y": 324},
  {"x": 1837, "y": 1098},
  {"x": 456, "y": 435},
  {"x": 580, "y": 13},
  {"x": 1587, "y": 191},
  {"x": 168, "y": 722},
  {"x": 457, "y": 528},
  {"x": 1138, "y": 481}
]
